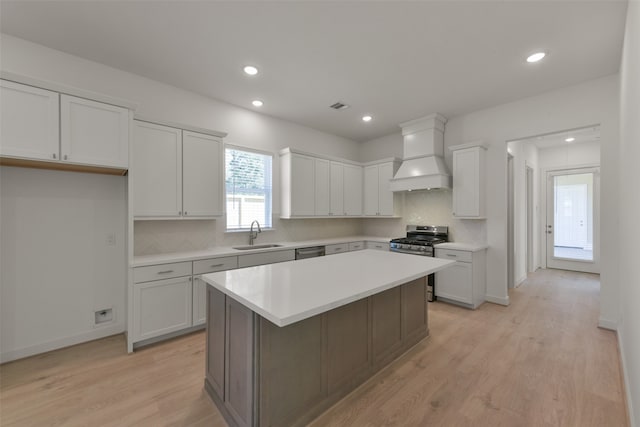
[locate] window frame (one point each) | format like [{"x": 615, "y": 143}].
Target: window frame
[{"x": 269, "y": 213}]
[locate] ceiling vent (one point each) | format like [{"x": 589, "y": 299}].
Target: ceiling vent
[{"x": 339, "y": 106}]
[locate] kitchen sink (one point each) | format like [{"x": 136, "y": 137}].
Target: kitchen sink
[{"x": 249, "y": 247}]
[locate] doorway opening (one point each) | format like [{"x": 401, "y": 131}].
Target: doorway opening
[{"x": 553, "y": 202}]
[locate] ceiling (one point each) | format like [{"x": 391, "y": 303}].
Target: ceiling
[{"x": 393, "y": 60}]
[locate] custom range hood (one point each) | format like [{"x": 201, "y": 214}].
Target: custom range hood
[{"x": 423, "y": 165}]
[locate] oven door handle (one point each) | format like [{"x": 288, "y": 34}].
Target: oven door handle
[{"x": 413, "y": 252}]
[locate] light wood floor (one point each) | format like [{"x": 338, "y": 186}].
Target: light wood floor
[{"x": 542, "y": 361}]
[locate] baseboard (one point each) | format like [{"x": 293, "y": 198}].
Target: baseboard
[
  {"x": 497, "y": 300},
  {"x": 625, "y": 378},
  {"x": 519, "y": 281},
  {"x": 607, "y": 324},
  {"x": 94, "y": 334}
]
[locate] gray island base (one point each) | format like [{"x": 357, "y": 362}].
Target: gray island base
[{"x": 261, "y": 374}]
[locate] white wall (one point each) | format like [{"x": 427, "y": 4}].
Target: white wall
[
  {"x": 628, "y": 209},
  {"x": 163, "y": 102},
  {"x": 524, "y": 155},
  {"x": 56, "y": 267},
  {"x": 590, "y": 103}
]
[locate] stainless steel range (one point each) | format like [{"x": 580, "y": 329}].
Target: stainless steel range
[{"x": 419, "y": 241}]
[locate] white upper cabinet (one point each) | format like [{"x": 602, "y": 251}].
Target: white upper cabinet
[
  {"x": 201, "y": 175},
  {"x": 352, "y": 190},
  {"x": 468, "y": 181},
  {"x": 93, "y": 133},
  {"x": 378, "y": 198},
  {"x": 336, "y": 205},
  {"x": 175, "y": 173},
  {"x": 74, "y": 133},
  {"x": 156, "y": 170},
  {"x": 313, "y": 186},
  {"x": 305, "y": 185},
  {"x": 30, "y": 120}
]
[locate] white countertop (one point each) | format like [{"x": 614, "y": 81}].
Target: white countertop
[
  {"x": 288, "y": 292},
  {"x": 470, "y": 247},
  {"x": 221, "y": 251}
]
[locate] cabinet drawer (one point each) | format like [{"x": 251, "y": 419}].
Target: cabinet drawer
[
  {"x": 356, "y": 246},
  {"x": 266, "y": 258},
  {"x": 378, "y": 245},
  {"x": 212, "y": 265},
  {"x": 336, "y": 249},
  {"x": 161, "y": 271},
  {"x": 463, "y": 256}
]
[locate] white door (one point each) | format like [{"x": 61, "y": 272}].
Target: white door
[
  {"x": 302, "y": 185},
  {"x": 353, "y": 190},
  {"x": 572, "y": 220},
  {"x": 337, "y": 189},
  {"x": 322, "y": 187},
  {"x": 29, "y": 122},
  {"x": 371, "y": 190},
  {"x": 385, "y": 195},
  {"x": 93, "y": 133},
  {"x": 156, "y": 170},
  {"x": 201, "y": 175}
]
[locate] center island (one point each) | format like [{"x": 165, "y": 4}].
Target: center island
[{"x": 286, "y": 341}]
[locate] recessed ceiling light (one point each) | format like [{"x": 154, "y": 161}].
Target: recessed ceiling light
[
  {"x": 257, "y": 103},
  {"x": 251, "y": 70},
  {"x": 367, "y": 118},
  {"x": 570, "y": 139},
  {"x": 536, "y": 57}
]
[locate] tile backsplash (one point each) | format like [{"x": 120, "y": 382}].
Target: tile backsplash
[
  {"x": 419, "y": 207},
  {"x": 166, "y": 236}
]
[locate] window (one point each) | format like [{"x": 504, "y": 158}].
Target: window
[{"x": 247, "y": 188}]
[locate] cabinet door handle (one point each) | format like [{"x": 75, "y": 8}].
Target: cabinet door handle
[
  {"x": 185, "y": 213},
  {"x": 180, "y": 213},
  {"x": 65, "y": 157},
  {"x": 54, "y": 155},
  {"x": 216, "y": 265},
  {"x": 165, "y": 272},
  {"x": 452, "y": 255}
]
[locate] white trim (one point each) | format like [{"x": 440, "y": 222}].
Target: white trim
[
  {"x": 180, "y": 126},
  {"x": 603, "y": 323},
  {"x": 68, "y": 90},
  {"x": 497, "y": 300},
  {"x": 60, "y": 343},
  {"x": 519, "y": 281},
  {"x": 473, "y": 144},
  {"x": 290, "y": 150},
  {"x": 625, "y": 377}
]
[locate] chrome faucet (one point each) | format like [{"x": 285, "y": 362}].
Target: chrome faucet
[{"x": 253, "y": 235}]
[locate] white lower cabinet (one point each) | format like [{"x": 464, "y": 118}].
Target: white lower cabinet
[
  {"x": 380, "y": 246},
  {"x": 161, "y": 307},
  {"x": 356, "y": 246},
  {"x": 273, "y": 257},
  {"x": 336, "y": 249},
  {"x": 463, "y": 283},
  {"x": 168, "y": 299}
]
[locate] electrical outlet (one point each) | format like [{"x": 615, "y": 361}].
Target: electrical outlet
[
  {"x": 103, "y": 316},
  {"x": 111, "y": 239}
]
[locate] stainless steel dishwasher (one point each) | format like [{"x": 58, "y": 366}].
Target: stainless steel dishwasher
[{"x": 310, "y": 252}]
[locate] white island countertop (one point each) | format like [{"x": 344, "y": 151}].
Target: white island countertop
[{"x": 288, "y": 292}]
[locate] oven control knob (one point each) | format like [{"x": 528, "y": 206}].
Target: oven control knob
[{"x": 422, "y": 248}]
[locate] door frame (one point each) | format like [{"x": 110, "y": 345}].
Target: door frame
[
  {"x": 547, "y": 173},
  {"x": 530, "y": 212}
]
